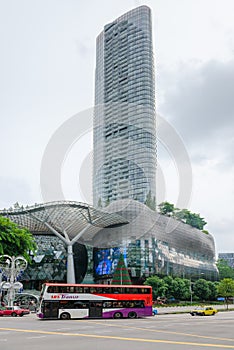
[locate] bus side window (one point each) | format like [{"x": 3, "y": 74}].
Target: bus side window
[
  {"x": 95, "y": 303},
  {"x": 147, "y": 290},
  {"x": 79, "y": 305},
  {"x": 139, "y": 303},
  {"x": 107, "y": 304},
  {"x": 117, "y": 290}
]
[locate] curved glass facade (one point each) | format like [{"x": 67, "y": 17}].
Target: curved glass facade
[
  {"x": 154, "y": 244},
  {"x": 49, "y": 263},
  {"x": 124, "y": 119}
]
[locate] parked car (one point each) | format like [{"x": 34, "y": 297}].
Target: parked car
[
  {"x": 204, "y": 311},
  {"x": 13, "y": 311}
]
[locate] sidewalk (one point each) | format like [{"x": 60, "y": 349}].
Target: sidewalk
[{"x": 177, "y": 309}]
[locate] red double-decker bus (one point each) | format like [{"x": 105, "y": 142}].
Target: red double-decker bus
[{"x": 67, "y": 301}]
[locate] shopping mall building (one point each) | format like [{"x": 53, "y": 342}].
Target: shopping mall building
[{"x": 77, "y": 243}]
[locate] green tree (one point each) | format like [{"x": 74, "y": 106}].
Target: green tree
[
  {"x": 225, "y": 271},
  {"x": 166, "y": 208},
  {"x": 180, "y": 289},
  {"x": 15, "y": 241},
  {"x": 184, "y": 215},
  {"x": 195, "y": 220},
  {"x": 158, "y": 285},
  {"x": 191, "y": 219},
  {"x": 226, "y": 289},
  {"x": 169, "y": 282},
  {"x": 213, "y": 286},
  {"x": 121, "y": 275},
  {"x": 201, "y": 289}
]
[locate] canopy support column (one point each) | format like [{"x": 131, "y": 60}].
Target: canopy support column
[{"x": 70, "y": 265}]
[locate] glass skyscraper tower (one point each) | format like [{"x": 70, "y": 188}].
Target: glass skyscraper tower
[{"x": 124, "y": 162}]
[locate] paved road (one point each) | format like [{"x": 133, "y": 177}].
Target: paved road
[{"x": 162, "y": 332}]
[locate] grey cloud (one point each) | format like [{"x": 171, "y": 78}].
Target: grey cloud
[
  {"x": 223, "y": 233},
  {"x": 200, "y": 100}
]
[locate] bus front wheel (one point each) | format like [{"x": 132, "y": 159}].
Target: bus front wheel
[
  {"x": 65, "y": 316},
  {"x": 118, "y": 315}
]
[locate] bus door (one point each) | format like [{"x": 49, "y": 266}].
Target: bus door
[
  {"x": 51, "y": 309},
  {"x": 95, "y": 309}
]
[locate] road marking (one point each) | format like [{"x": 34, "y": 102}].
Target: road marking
[
  {"x": 36, "y": 337},
  {"x": 161, "y": 331},
  {"x": 222, "y": 346}
]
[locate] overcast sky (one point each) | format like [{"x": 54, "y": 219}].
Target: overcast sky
[{"x": 47, "y": 65}]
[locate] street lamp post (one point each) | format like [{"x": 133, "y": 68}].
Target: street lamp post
[
  {"x": 11, "y": 267},
  {"x": 191, "y": 292}
]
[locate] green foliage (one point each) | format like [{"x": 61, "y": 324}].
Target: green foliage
[
  {"x": 158, "y": 285},
  {"x": 180, "y": 288},
  {"x": 213, "y": 286},
  {"x": 150, "y": 202},
  {"x": 191, "y": 219},
  {"x": 225, "y": 271},
  {"x": 177, "y": 288},
  {"x": 201, "y": 289},
  {"x": 15, "y": 241},
  {"x": 170, "y": 290},
  {"x": 166, "y": 208},
  {"x": 226, "y": 289},
  {"x": 184, "y": 215}
]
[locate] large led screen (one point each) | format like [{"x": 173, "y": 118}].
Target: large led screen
[{"x": 106, "y": 260}]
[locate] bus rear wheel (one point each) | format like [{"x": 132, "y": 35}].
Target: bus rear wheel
[
  {"x": 132, "y": 314},
  {"x": 118, "y": 315},
  {"x": 65, "y": 316}
]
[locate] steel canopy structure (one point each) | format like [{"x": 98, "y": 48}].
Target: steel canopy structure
[{"x": 68, "y": 220}]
